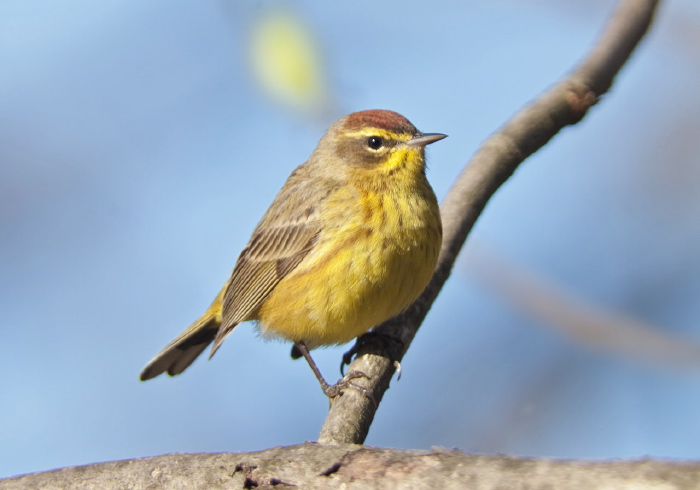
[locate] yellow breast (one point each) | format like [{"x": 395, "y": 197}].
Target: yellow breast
[{"x": 369, "y": 266}]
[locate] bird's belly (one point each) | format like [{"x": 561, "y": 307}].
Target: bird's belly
[{"x": 350, "y": 284}]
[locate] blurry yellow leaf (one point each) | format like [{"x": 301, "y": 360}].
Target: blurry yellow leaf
[{"x": 286, "y": 63}]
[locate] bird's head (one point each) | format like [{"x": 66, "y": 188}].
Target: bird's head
[{"x": 375, "y": 142}]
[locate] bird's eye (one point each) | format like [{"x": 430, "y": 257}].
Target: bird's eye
[{"x": 375, "y": 142}]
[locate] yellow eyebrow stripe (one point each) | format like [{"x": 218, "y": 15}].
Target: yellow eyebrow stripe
[{"x": 366, "y": 132}]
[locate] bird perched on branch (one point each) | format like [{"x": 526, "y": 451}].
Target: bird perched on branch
[{"x": 351, "y": 240}]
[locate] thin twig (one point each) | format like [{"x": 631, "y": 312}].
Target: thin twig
[{"x": 566, "y": 103}]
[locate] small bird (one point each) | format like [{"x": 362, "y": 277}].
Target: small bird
[{"x": 351, "y": 240}]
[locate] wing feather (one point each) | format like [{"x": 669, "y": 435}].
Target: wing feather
[{"x": 272, "y": 253}]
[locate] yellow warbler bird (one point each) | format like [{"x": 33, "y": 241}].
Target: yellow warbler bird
[{"x": 351, "y": 240}]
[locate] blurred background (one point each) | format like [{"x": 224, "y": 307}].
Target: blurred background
[{"x": 140, "y": 142}]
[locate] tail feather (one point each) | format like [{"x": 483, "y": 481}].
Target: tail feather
[{"x": 181, "y": 352}]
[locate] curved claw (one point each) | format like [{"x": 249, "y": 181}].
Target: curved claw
[
  {"x": 388, "y": 342},
  {"x": 347, "y": 359},
  {"x": 344, "y": 383}
]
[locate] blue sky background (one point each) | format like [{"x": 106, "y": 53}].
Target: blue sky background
[{"x": 137, "y": 155}]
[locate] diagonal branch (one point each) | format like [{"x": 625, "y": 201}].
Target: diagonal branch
[{"x": 564, "y": 104}]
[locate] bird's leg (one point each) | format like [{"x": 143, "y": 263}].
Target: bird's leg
[
  {"x": 331, "y": 391},
  {"x": 388, "y": 342}
]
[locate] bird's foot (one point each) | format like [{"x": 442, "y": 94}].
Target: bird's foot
[
  {"x": 332, "y": 391},
  {"x": 388, "y": 342}
]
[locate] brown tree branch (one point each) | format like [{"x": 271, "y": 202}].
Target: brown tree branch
[
  {"x": 564, "y": 104},
  {"x": 618, "y": 333},
  {"x": 349, "y": 466}
]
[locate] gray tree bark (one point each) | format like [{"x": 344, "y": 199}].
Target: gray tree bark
[{"x": 349, "y": 466}]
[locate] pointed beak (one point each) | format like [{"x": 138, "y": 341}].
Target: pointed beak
[{"x": 425, "y": 139}]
